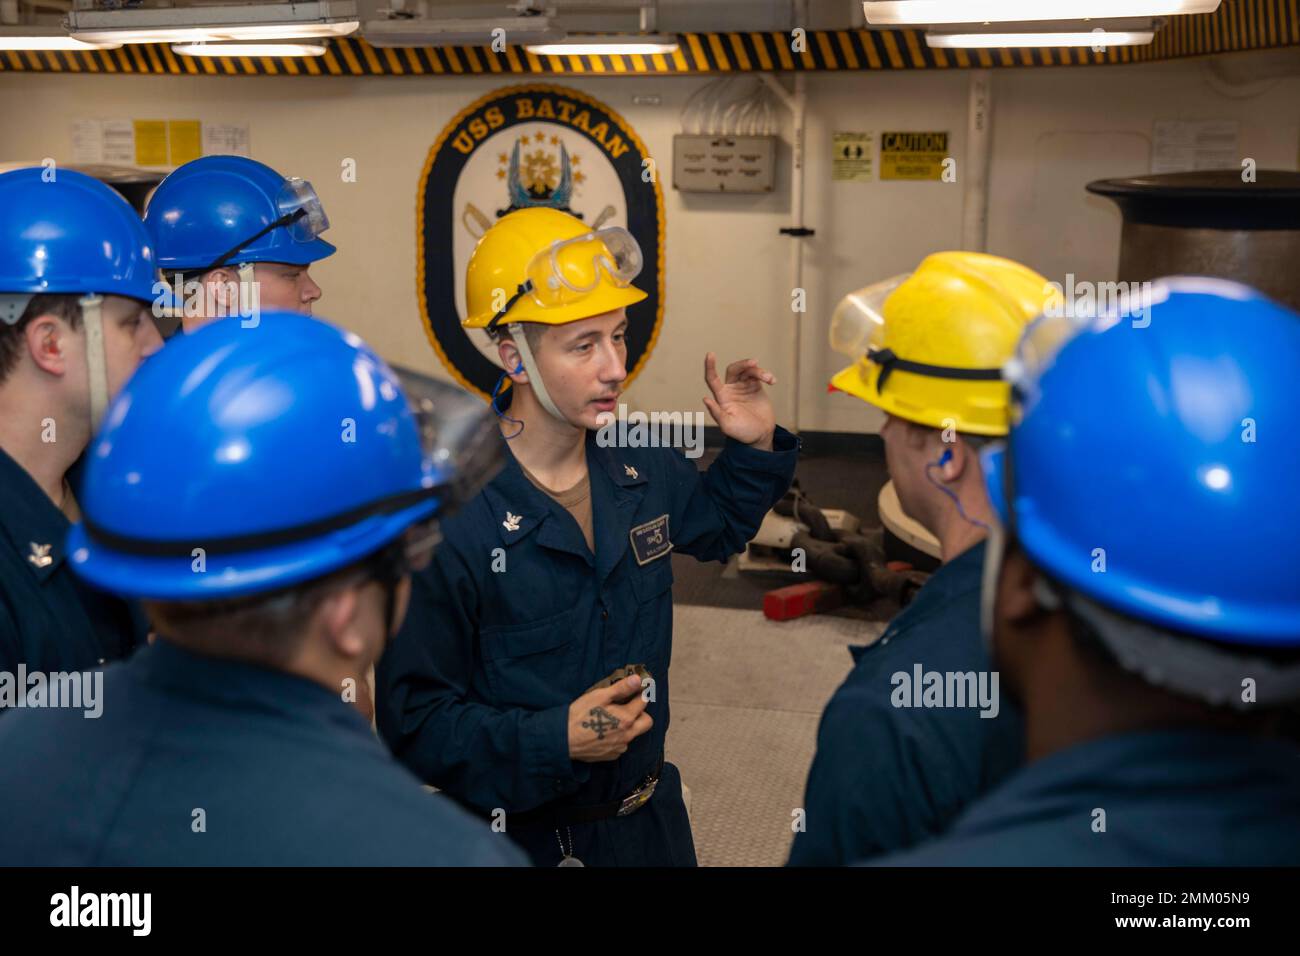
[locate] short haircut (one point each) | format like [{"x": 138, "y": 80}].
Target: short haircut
[
  {"x": 976, "y": 442},
  {"x": 266, "y": 628},
  {"x": 13, "y": 337},
  {"x": 533, "y": 332},
  {"x": 173, "y": 276}
]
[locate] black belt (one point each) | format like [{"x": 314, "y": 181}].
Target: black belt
[{"x": 559, "y": 815}]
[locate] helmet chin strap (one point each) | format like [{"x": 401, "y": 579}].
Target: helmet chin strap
[
  {"x": 96, "y": 364},
  {"x": 993, "y": 553},
  {"x": 995, "y": 550},
  {"x": 249, "y": 304},
  {"x": 530, "y": 366}
]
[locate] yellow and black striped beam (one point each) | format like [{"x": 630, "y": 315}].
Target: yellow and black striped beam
[{"x": 1236, "y": 25}]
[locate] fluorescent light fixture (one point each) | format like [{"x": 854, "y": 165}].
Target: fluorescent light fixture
[
  {"x": 1098, "y": 38},
  {"x": 463, "y": 32},
  {"x": 645, "y": 44},
  {"x": 900, "y": 12},
  {"x": 46, "y": 38},
  {"x": 249, "y": 49},
  {"x": 259, "y": 21},
  {"x": 1130, "y": 31}
]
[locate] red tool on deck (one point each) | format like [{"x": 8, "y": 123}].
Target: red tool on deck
[{"x": 800, "y": 599}]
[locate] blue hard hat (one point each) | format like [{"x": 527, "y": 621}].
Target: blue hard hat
[
  {"x": 65, "y": 232},
  {"x": 1152, "y": 469},
  {"x": 228, "y": 210},
  {"x": 284, "y": 451}
]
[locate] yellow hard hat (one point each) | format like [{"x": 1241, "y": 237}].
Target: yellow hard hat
[
  {"x": 930, "y": 345},
  {"x": 544, "y": 265}
]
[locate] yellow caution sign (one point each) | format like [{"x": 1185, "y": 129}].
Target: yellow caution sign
[
  {"x": 184, "y": 140},
  {"x": 913, "y": 155},
  {"x": 150, "y": 142}
]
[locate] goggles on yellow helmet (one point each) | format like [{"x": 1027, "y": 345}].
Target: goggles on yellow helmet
[
  {"x": 568, "y": 270},
  {"x": 858, "y": 327}
]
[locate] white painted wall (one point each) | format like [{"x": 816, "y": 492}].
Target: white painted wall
[{"x": 727, "y": 267}]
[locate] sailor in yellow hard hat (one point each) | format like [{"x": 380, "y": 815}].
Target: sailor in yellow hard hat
[
  {"x": 530, "y": 680},
  {"x": 896, "y": 757}
]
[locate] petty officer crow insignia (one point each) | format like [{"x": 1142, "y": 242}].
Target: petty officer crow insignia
[{"x": 518, "y": 147}]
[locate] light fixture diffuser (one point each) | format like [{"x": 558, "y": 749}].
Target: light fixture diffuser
[
  {"x": 430, "y": 31},
  {"x": 17, "y": 38},
  {"x": 644, "y": 44},
  {"x": 313, "y": 19},
  {"x": 1094, "y": 38},
  {"x": 249, "y": 49},
  {"x": 906, "y": 12}
]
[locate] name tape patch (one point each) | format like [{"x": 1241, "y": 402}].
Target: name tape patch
[{"x": 650, "y": 540}]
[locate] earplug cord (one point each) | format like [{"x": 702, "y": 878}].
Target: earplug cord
[
  {"x": 496, "y": 393},
  {"x": 949, "y": 492}
]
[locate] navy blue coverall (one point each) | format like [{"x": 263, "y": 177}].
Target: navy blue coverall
[
  {"x": 884, "y": 777},
  {"x": 194, "y": 761},
  {"x": 1169, "y": 798},
  {"x": 51, "y": 620},
  {"x": 516, "y": 618}
]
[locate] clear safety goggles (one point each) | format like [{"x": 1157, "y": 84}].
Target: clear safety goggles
[
  {"x": 300, "y": 214},
  {"x": 460, "y": 440},
  {"x": 567, "y": 270},
  {"x": 1040, "y": 343},
  {"x": 1044, "y": 337},
  {"x": 858, "y": 330},
  {"x": 458, "y": 434},
  {"x": 858, "y": 323},
  {"x": 418, "y": 545}
]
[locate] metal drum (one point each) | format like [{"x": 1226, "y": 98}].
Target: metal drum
[
  {"x": 1211, "y": 223},
  {"x": 906, "y": 539}
]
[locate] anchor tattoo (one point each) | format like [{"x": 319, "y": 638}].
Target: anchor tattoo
[{"x": 602, "y": 721}]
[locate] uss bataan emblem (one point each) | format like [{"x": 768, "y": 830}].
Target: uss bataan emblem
[{"x": 521, "y": 146}]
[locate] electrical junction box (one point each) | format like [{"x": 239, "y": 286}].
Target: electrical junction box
[{"x": 704, "y": 163}]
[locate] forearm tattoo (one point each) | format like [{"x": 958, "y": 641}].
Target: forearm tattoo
[{"x": 601, "y": 722}]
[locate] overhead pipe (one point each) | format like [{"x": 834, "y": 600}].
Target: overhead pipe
[
  {"x": 797, "y": 104},
  {"x": 979, "y": 146}
]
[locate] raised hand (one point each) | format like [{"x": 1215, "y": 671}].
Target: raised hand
[{"x": 740, "y": 405}]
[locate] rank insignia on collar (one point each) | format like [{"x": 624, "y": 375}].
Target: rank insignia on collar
[
  {"x": 631, "y": 472},
  {"x": 40, "y": 555},
  {"x": 512, "y": 522}
]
